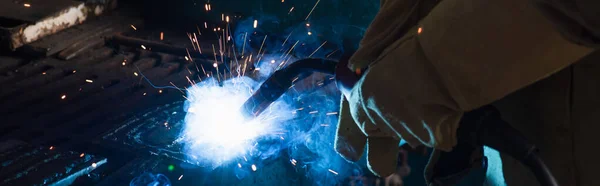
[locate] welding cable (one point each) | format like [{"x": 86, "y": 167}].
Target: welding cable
[
  {"x": 282, "y": 80},
  {"x": 485, "y": 126}
]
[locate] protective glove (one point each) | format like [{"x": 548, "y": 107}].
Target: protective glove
[
  {"x": 382, "y": 152},
  {"x": 382, "y": 148}
]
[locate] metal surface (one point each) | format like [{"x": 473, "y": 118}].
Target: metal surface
[
  {"x": 25, "y": 22},
  {"x": 78, "y": 37},
  {"x": 23, "y": 164},
  {"x": 164, "y": 48}
]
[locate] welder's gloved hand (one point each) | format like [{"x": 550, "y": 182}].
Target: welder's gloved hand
[
  {"x": 381, "y": 142},
  {"x": 382, "y": 150}
]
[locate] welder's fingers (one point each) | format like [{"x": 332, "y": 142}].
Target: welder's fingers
[
  {"x": 382, "y": 155},
  {"x": 350, "y": 141}
]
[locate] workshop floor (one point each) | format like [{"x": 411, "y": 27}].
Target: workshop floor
[{"x": 55, "y": 111}]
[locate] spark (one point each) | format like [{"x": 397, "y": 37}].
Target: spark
[
  {"x": 215, "y": 65},
  {"x": 197, "y": 43},
  {"x": 124, "y": 62},
  {"x": 255, "y": 23},
  {"x": 307, "y": 24},
  {"x": 331, "y": 113},
  {"x": 132, "y": 26},
  {"x": 332, "y": 53},
  {"x": 317, "y": 49},
  {"x": 74, "y": 71},
  {"x": 187, "y": 58},
  {"x": 94, "y": 165},
  {"x": 309, "y": 33},
  {"x": 253, "y": 167},
  {"x": 81, "y": 155},
  {"x": 261, "y": 47},
  {"x": 311, "y": 11},
  {"x": 64, "y": 96},
  {"x": 27, "y": 5},
  {"x": 162, "y": 36},
  {"x": 293, "y": 162},
  {"x": 273, "y": 61},
  {"x": 160, "y": 91},
  {"x": 135, "y": 74},
  {"x": 419, "y": 30},
  {"x": 89, "y": 80},
  {"x": 144, "y": 94},
  {"x": 286, "y": 39},
  {"x": 239, "y": 165},
  {"x": 291, "y": 9},
  {"x": 314, "y": 112},
  {"x": 143, "y": 47},
  {"x": 324, "y": 125},
  {"x": 51, "y": 148},
  {"x": 227, "y": 19},
  {"x": 333, "y": 172},
  {"x": 180, "y": 177},
  {"x": 43, "y": 73}
]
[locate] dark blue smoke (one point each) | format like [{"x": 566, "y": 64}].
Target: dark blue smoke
[
  {"x": 149, "y": 179},
  {"x": 310, "y": 137}
]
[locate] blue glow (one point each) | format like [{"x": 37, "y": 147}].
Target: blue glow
[
  {"x": 216, "y": 132},
  {"x": 494, "y": 175},
  {"x": 149, "y": 179},
  {"x": 300, "y": 126}
]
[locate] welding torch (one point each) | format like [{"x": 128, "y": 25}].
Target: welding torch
[{"x": 489, "y": 129}]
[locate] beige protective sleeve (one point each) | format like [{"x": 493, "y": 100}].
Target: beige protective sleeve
[{"x": 464, "y": 54}]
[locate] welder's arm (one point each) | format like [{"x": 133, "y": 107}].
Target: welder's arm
[{"x": 462, "y": 55}]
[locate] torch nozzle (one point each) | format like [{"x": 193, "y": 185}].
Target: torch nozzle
[{"x": 281, "y": 80}]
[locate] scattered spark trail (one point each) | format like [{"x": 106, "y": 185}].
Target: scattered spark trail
[
  {"x": 317, "y": 49},
  {"x": 214, "y": 131},
  {"x": 313, "y": 9}
]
